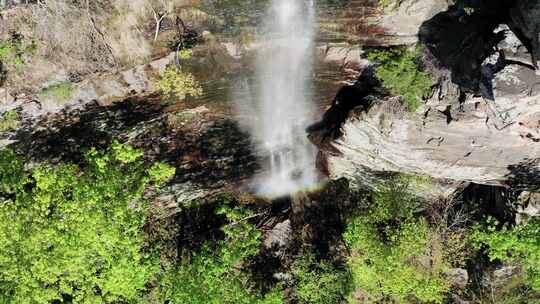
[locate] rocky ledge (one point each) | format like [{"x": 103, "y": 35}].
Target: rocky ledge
[{"x": 482, "y": 123}]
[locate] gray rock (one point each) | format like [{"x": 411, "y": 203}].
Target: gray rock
[
  {"x": 5, "y": 97},
  {"x": 280, "y": 235},
  {"x": 403, "y": 23},
  {"x": 467, "y": 149},
  {"x": 504, "y": 274},
  {"x": 284, "y": 277},
  {"x": 458, "y": 276},
  {"x": 529, "y": 206}
]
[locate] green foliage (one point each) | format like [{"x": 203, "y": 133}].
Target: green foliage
[
  {"x": 185, "y": 53},
  {"x": 213, "y": 275},
  {"x": 392, "y": 201},
  {"x": 395, "y": 258},
  {"x": 10, "y": 120},
  {"x": 68, "y": 232},
  {"x": 59, "y": 92},
  {"x": 396, "y": 268},
  {"x": 400, "y": 74},
  {"x": 160, "y": 172},
  {"x": 387, "y": 3},
  {"x": 468, "y": 10},
  {"x": 12, "y": 51},
  {"x": 175, "y": 82},
  {"x": 319, "y": 282},
  {"x": 519, "y": 244}
]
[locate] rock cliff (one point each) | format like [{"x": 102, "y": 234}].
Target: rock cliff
[{"x": 482, "y": 123}]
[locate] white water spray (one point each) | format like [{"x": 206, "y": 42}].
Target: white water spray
[{"x": 283, "y": 107}]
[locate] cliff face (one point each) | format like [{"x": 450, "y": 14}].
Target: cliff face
[{"x": 481, "y": 125}]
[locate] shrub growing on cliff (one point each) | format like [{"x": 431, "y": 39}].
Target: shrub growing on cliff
[
  {"x": 213, "y": 274},
  {"x": 177, "y": 83},
  {"x": 58, "y": 93},
  {"x": 75, "y": 234},
  {"x": 400, "y": 74},
  {"x": 392, "y": 201},
  {"x": 520, "y": 244},
  {"x": 10, "y": 120},
  {"x": 12, "y": 51}
]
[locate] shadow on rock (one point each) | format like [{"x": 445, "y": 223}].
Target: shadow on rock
[
  {"x": 206, "y": 148},
  {"x": 62, "y": 137},
  {"x": 525, "y": 175},
  {"x": 349, "y": 97},
  {"x": 462, "y": 37}
]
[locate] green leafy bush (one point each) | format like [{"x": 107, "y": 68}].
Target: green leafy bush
[
  {"x": 213, "y": 274},
  {"x": 175, "y": 82},
  {"x": 75, "y": 233},
  {"x": 10, "y": 120},
  {"x": 59, "y": 92},
  {"x": 395, "y": 258},
  {"x": 393, "y": 200},
  {"x": 397, "y": 268},
  {"x": 319, "y": 282},
  {"x": 400, "y": 74},
  {"x": 12, "y": 52},
  {"x": 519, "y": 244}
]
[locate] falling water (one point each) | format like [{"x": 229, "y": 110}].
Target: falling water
[{"x": 284, "y": 67}]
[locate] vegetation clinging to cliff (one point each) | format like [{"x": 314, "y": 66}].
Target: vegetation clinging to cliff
[
  {"x": 177, "y": 83},
  {"x": 399, "y": 73},
  {"x": 393, "y": 254},
  {"x": 319, "y": 282}
]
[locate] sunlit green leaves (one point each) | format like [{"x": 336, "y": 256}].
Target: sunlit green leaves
[
  {"x": 319, "y": 282},
  {"x": 513, "y": 244},
  {"x": 398, "y": 267},
  {"x": 213, "y": 273},
  {"x": 399, "y": 73},
  {"x": 75, "y": 233}
]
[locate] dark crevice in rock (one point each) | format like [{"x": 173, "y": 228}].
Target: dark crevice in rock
[
  {"x": 356, "y": 96},
  {"x": 525, "y": 23},
  {"x": 481, "y": 201}
]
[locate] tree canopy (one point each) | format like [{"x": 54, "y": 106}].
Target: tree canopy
[{"x": 74, "y": 233}]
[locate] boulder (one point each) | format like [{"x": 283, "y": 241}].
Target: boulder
[
  {"x": 280, "y": 235},
  {"x": 528, "y": 206},
  {"x": 458, "y": 276}
]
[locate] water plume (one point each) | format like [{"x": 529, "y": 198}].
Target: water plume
[{"x": 282, "y": 97}]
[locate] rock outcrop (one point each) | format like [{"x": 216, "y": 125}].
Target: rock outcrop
[
  {"x": 366, "y": 22},
  {"x": 491, "y": 136}
]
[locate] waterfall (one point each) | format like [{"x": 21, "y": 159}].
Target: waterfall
[{"x": 283, "y": 70}]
